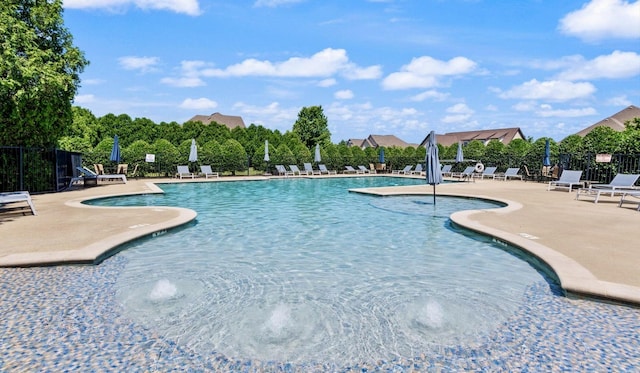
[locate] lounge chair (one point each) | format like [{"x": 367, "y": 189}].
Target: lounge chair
[
  {"x": 620, "y": 184},
  {"x": 206, "y": 171},
  {"x": 88, "y": 174},
  {"x": 308, "y": 168},
  {"x": 624, "y": 199},
  {"x": 122, "y": 168},
  {"x": 295, "y": 170},
  {"x": 350, "y": 170},
  {"x": 324, "y": 170},
  {"x": 404, "y": 171},
  {"x": 466, "y": 174},
  {"x": 363, "y": 170},
  {"x": 510, "y": 173},
  {"x": 418, "y": 170},
  {"x": 183, "y": 171},
  {"x": 372, "y": 168},
  {"x": 446, "y": 170},
  {"x": 489, "y": 172},
  {"x": 568, "y": 179},
  {"x": 13, "y": 197},
  {"x": 281, "y": 170}
]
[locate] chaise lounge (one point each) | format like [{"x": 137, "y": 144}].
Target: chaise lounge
[
  {"x": 567, "y": 179},
  {"x": 620, "y": 184},
  {"x": 13, "y": 197}
]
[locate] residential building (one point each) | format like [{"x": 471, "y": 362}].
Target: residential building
[
  {"x": 616, "y": 121},
  {"x": 504, "y": 135},
  {"x": 230, "y": 121},
  {"x": 375, "y": 141}
]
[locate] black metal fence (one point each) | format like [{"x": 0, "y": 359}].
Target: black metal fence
[
  {"x": 601, "y": 168},
  {"x": 36, "y": 170}
]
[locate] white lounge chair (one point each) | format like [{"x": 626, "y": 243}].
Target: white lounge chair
[
  {"x": 418, "y": 170},
  {"x": 281, "y": 170},
  {"x": 90, "y": 174},
  {"x": 295, "y": 170},
  {"x": 446, "y": 170},
  {"x": 13, "y": 197},
  {"x": 404, "y": 171},
  {"x": 510, "y": 173},
  {"x": 621, "y": 183},
  {"x": 324, "y": 170},
  {"x": 466, "y": 174},
  {"x": 351, "y": 170},
  {"x": 363, "y": 170},
  {"x": 183, "y": 171},
  {"x": 206, "y": 171},
  {"x": 625, "y": 199},
  {"x": 489, "y": 172},
  {"x": 308, "y": 168},
  {"x": 567, "y": 179}
]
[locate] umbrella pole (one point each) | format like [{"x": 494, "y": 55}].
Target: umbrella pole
[{"x": 434, "y": 194}]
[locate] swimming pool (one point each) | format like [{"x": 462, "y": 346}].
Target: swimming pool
[{"x": 302, "y": 270}]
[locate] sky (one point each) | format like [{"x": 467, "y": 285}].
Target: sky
[{"x": 381, "y": 67}]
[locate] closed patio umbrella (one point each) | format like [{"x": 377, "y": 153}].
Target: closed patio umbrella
[
  {"x": 115, "y": 151},
  {"x": 459, "y": 154},
  {"x": 547, "y": 154},
  {"x": 266, "y": 150},
  {"x": 317, "y": 157},
  {"x": 193, "y": 153},
  {"x": 381, "y": 156},
  {"x": 434, "y": 175}
]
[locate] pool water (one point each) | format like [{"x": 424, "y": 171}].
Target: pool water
[{"x": 303, "y": 270}]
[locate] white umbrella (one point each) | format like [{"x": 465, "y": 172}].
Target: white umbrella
[
  {"x": 317, "y": 158},
  {"x": 266, "y": 150},
  {"x": 193, "y": 153},
  {"x": 459, "y": 154}
]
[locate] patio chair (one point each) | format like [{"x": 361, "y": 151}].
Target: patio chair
[
  {"x": 122, "y": 168},
  {"x": 308, "y": 168},
  {"x": 281, "y": 170},
  {"x": 14, "y": 197},
  {"x": 295, "y": 170},
  {"x": 324, "y": 170},
  {"x": 624, "y": 199},
  {"x": 510, "y": 173},
  {"x": 466, "y": 174},
  {"x": 350, "y": 170},
  {"x": 183, "y": 171},
  {"x": 489, "y": 172},
  {"x": 446, "y": 170},
  {"x": 363, "y": 170},
  {"x": 206, "y": 171},
  {"x": 372, "y": 168},
  {"x": 404, "y": 171},
  {"x": 568, "y": 179},
  {"x": 88, "y": 174},
  {"x": 418, "y": 170},
  {"x": 621, "y": 183}
]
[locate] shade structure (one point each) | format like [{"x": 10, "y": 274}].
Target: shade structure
[
  {"x": 381, "y": 156},
  {"x": 547, "y": 154},
  {"x": 266, "y": 150},
  {"x": 317, "y": 157},
  {"x": 433, "y": 173},
  {"x": 115, "y": 151},
  {"x": 193, "y": 153},
  {"x": 459, "y": 154}
]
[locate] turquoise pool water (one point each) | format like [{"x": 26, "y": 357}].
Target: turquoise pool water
[{"x": 302, "y": 270}]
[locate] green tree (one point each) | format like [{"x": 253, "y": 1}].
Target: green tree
[
  {"x": 474, "y": 150},
  {"x": 602, "y": 140},
  {"x": 630, "y": 141},
  {"x": 494, "y": 154},
  {"x": 572, "y": 144},
  {"x": 516, "y": 152},
  {"x": 311, "y": 127},
  {"x": 234, "y": 156},
  {"x": 211, "y": 154},
  {"x": 39, "y": 73}
]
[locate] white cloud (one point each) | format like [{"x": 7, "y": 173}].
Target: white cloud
[
  {"x": 616, "y": 65},
  {"x": 84, "y": 99},
  {"x": 144, "y": 64},
  {"x": 327, "y": 82},
  {"x": 619, "y": 101},
  {"x": 423, "y": 72},
  {"x": 458, "y": 113},
  {"x": 190, "y": 7},
  {"x": 272, "y": 115},
  {"x": 430, "y": 95},
  {"x": 547, "y": 111},
  {"x": 345, "y": 94},
  {"x": 190, "y": 75},
  {"x": 184, "y": 82},
  {"x": 556, "y": 90},
  {"x": 325, "y": 63},
  {"x": 198, "y": 104},
  {"x": 274, "y": 3},
  {"x": 603, "y": 19}
]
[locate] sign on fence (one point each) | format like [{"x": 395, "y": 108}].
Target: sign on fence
[
  {"x": 150, "y": 158},
  {"x": 603, "y": 158}
]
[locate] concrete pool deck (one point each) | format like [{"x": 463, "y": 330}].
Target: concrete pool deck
[{"x": 591, "y": 247}]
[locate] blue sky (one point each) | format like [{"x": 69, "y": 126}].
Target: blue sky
[{"x": 401, "y": 67}]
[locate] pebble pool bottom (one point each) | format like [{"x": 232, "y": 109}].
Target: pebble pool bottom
[{"x": 176, "y": 303}]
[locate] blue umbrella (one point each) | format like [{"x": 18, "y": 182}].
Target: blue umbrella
[
  {"x": 381, "y": 156},
  {"x": 434, "y": 175},
  {"x": 115, "y": 151},
  {"x": 547, "y": 154},
  {"x": 193, "y": 153},
  {"x": 317, "y": 158},
  {"x": 459, "y": 154}
]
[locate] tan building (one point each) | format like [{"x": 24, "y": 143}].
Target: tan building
[
  {"x": 504, "y": 135},
  {"x": 616, "y": 121},
  {"x": 375, "y": 141},
  {"x": 230, "y": 121}
]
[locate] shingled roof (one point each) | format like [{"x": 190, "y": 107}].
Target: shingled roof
[
  {"x": 375, "y": 141},
  {"x": 230, "y": 121},
  {"x": 616, "y": 121},
  {"x": 504, "y": 135}
]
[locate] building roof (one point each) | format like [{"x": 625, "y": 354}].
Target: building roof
[
  {"x": 230, "y": 121},
  {"x": 616, "y": 121},
  {"x": 504, "y": 135}
]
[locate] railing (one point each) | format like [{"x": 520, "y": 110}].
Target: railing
[
  {"x": 36, "y": 170},
  {"x": 603, "y": 172}
]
